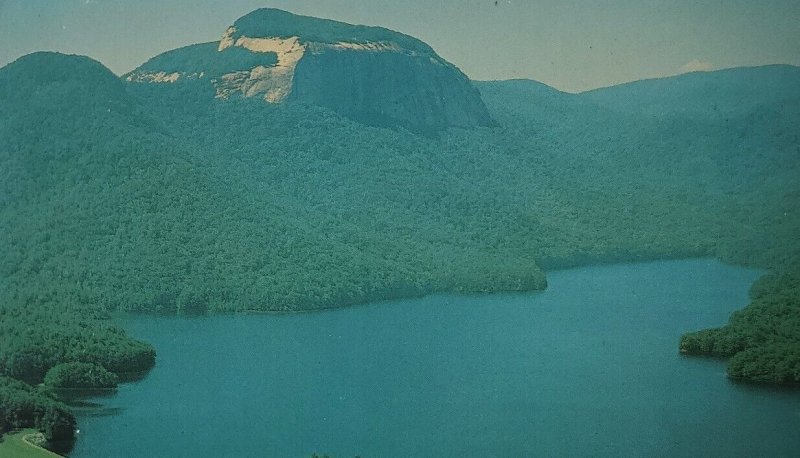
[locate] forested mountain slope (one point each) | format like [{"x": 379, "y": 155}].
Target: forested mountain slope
[
  {"x": 756, "y": 110},
  {"x": 160, "y": 197},
  {"x": 725, "y": 142},
  {"x": 722, "y": 95}
]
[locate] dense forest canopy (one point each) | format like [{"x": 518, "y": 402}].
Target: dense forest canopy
[{"x": 158, "y": 198}]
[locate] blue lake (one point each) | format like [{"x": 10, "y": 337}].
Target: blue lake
[{"x": 588, "y": 367}]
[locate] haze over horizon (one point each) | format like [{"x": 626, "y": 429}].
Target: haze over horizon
[{"x": 566, "y": 44}]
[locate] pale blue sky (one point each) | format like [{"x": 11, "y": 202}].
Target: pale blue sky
[{"x": 569, "y": 44}]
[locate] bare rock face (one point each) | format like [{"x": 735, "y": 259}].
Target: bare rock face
[{"x": 369, "y": 74}]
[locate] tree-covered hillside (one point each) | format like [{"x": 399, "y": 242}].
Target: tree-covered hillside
[
  {"x": 724, "y": 146},
  {"x": 746, "y": 120},
  {"x": 161, "y": 198},
  {"x": 107, "y": 206}
]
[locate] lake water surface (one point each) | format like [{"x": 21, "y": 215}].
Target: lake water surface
[{"x": 587, "y": 368}]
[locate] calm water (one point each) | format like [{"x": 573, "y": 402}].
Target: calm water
[{"x": 589, "y": 367}]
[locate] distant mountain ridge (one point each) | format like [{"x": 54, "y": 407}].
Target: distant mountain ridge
[
  {"x": 370, "y": 74},
  {"x": 715, "y": 94}
]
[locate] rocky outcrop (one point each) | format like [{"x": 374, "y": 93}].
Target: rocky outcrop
[
  {"x": 369, "y": 74},
  {"x": 389, "y": 87}
]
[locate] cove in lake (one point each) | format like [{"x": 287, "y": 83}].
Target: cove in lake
[{"x": 588, "y": 367}]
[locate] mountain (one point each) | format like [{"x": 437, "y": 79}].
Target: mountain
[
  {"x": 182, "y": 188},
  {"x": 63, "y": 121},
  {"x": 26, "y": 78},
  {"x": 111, "y": 201},
  {"x": 38, "y": 81},
  {"x": 705, "y": 96},
  {"x": 369, "y": 74}
]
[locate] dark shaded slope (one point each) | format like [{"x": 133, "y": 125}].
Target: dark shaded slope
[{"x": 389, "y": 89}]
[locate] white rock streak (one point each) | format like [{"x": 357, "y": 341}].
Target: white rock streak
[
  {"x": 158, "y": 77},
  {"x": 369, "y": 46},
  {"x": 275, "y": 82}
]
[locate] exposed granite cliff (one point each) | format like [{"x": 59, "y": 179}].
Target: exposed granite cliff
[{"x": 369, "y": 74}]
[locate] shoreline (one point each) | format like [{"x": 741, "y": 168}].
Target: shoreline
[
  {"x": 367, "y": 301},
  {"x": 478, "y": 305},
  {"x": 27, "y": 438}
]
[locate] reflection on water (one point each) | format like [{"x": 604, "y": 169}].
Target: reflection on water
[
  {"x": 73, "y": 396},
  {"x": 89, "y": 402},
  {"x": 97, "y": 410},
  {"x": 128, "y": 377}
]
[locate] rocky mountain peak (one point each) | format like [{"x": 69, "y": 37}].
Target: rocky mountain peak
[{"x": 370, "y": 74}]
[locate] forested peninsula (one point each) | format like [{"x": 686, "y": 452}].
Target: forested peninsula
[{"x": 125, "y": 194}]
